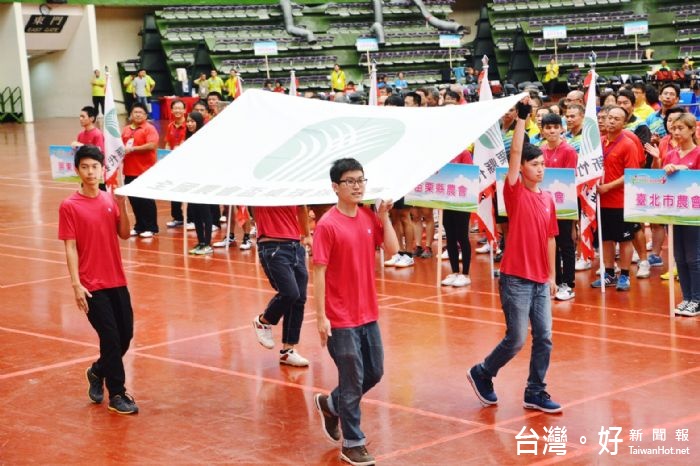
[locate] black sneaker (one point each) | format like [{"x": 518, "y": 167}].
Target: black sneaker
[
  {"x": 329, "y": 421},
  {"x": 357, "y": 456},
  {"x": 123, "y": 404},
  {"x": 482, "y": 385},
  {"x": 542, "y": 402},
  {"x": 95, "y": 388}
]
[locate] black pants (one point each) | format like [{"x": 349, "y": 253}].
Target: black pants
[
  {"x": 200, "y": 215},
  {"x": 110, "y": 313},
  {"x": 144, "y": 211},
  {"x": 565, "y": 258},
  {"x": 457, "y": 232},
  {"x": 99, "y": 103},
  {"x": 176, "y": 211}
]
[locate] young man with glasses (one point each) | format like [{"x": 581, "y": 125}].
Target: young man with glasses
[{"x": 344, "y": 248}]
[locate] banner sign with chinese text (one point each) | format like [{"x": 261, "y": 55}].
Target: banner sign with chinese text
[
  {"x": 652, "y": 196},
  {"x": 450, "y": 40},
  {"x": 454, "y": 187},
  {"x": 560, "y": 182},
  {"x": 62, "y": 168},
  {"x": 265, "y": 47},
  {"x": 554, "y": 32}
]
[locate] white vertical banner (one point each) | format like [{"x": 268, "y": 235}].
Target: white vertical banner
[
  {"x": 373, "y": 98},
  {"x": 292, "y": 83},
  {"x": 114, "y": 147}
]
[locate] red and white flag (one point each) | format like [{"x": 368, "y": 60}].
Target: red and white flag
[
  {"x": 589, "y": 168},
  {"x": 489, "y": 153},
  {"x": 114, "y": 147}
]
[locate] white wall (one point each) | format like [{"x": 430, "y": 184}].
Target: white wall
[
  {"x": 118, "y": 39},
  {"x": 61, "y": 80},
  {"x": 14, "y": 71}
]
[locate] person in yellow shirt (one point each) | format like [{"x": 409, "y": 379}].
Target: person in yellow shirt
[
  {"x": 642, "y": 109},
  {"x": 551, "y": 74},
  {"x": 98, "y": 84},
  {"x": 337, "y": 79},
  {"x": 231, "y": 85},
  {"x": 128, "y": 86},
  {"x": 216, "y": 84}
]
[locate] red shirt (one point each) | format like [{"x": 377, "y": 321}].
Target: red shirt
[
  {"x": 347, "y": 246},
  {"x": 532, "y": 220},
  {"x": 175, "y": 135},
  {"x": 690, "y": 160},
  {"x": 93, "y": 137},
  {"x": 562, "y": 156},
  {"x": 641, "y": 153},
  {"x": 617, "y": 155},
  {"x": 93, "y": 224},
  {"x": 137, "y": 162},
  {"x": 464, "y": 157},
  {"x": 277, "y": 222}
]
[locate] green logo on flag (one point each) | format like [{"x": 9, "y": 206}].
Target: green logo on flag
[
  {"x": 111, "y": 124},
  {"x": 590, "y": 136},
  {"x": 491, "y": 137},
  {"x": 308, "y": 154}
]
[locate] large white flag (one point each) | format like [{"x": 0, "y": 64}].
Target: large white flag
[
  {"x": 489, "y": 153},
  {"x": 114, "y": 147},
  {"x": 268, "y": 148},
  {"x": 292, "y": 83},
  {"x": 373, "y": 99}
]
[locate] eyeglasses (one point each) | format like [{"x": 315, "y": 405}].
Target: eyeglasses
[{"x": 349, "y": 182}]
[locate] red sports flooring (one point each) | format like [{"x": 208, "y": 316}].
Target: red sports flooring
[{"x": 209, "y": 393}]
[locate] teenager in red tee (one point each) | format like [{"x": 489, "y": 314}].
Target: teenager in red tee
[
  {"x": 527, "y": 274},
  {"x": 282, "y": 255},
  {"x": 174, "y": 136},
  {"x": 344, "y": 250},
  {"x": 90, "y": 135},
  {"x": 89, "y": 222}
]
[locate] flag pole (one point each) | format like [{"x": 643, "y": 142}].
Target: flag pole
[
  {"x": 228, "y": 226},
  {"x": 671, "y": 276},
  {"x": 184, "y": 228},
  {"x": 491, "y": 246},
  {"x": 439, "y": 248},
  {"x": 601, "y": 265}
]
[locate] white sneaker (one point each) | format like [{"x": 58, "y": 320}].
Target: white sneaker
[
  {"x": 484, "y": 249},
  {"x": 617, "y": 250},
  {"x": 392, "y": 262},
  {"x": 253, "y": 231},
  {"x": 224, "y": 242},
  {"x": 204, "y": 250},
  {"x": 245, "y": 245},
  {"x": 643, "y": 269},
  {"x": 635, "y": 257},
  {"x": 133, "y": 233},
  {"x": 189, "y": 226},
  {"x": 292, "y": 358},
  {"x": 649, "y": 245},
  {"x": 450, "y": 279},
  {"x": 264, "y": 333},
  {"x": 222, "y": 219},
  {"x": 404, "y": 261},
  {"x": 444, "y": 256},
  {"x": 174, "y": 223},
  {"x": 564, "y": 293},
  {"x": 214, "y": 228},
  {"x": 146, "y": 234},
  {"x": 582, "y": 264},
  {"x": 461, "y": 280}
]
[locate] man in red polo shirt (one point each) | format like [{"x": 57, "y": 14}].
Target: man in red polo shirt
[
  {"x": 174, "y": 136},
  {"x": 619, "y": 152},
  {"x": 140, "y": 144}
]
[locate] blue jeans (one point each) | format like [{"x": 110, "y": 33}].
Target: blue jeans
[
  {"x": 359, "y": 357},
  {"x": 686, "y": 252},
  {"x": 284, "y": 263},
  {"x": 524, "y": 300}
]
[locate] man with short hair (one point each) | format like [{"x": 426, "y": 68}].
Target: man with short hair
[
  {"x": 575, "y": 114},
  {"x": 412, "y": 99},
  {"x": 231, "y": 84},
  {"x": 91, "y": 134},
  {"x": 99, "y": 85},
  {"x": 89, "y": 223},
  {"x": 344, "y": 249},
  {"x": 141, "y": 88},
  {"x": 619, "y": 153},
  {"x": 216, "y": 84},
  {"x": 642, "y": 109},
  {"x": 140, "y": 140},
  {"x": 669, "y": 96},
  {"x": 174, "y": 136}
]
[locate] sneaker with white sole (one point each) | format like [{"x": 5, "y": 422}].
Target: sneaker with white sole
[
  {"x": 174, "y": 223},
  {"x": 230, "y": 239},
  {"x": 215, "y": 228},
  {"x": 189, "y": 226},
  {"x": 292, "y": 358},
  {"x": 643, "y": 269},
  {"x": 583, "y": 264},
  {"x": 264, "y": 333},
  {"x": 681, "y": 307},
  {"x": 253, "y": 231},
  {"x": 564, "y": 293},
  {"x": 444, "y": 256},
  {"x": 222, "y": 219},
  {"x": 635, "y": 257},
  {"x": 649, "y": 245},
  {"x": 245, "y": 245},
  {"x": 450, "y": 279},
  {"x": 357, "y": 456},
  {"x": 691, "y": 310},
  {"x": 404, "y": 261},
  {"x": 392, "y": 262},
  {"x": 329, "y": 421},
  {"x": 461, "y": 280},
  {"x": 133, "y": 233},
  {"x": 146, "y": 234},
  {"x": 655, "y": 260},
  {"x": 195, "y": 249},
  {"x": 483, "y": 249},
  {"x": 204, "y": 249}
]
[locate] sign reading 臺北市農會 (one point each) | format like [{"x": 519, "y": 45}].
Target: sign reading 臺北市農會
[
  {"x": 560, "y": 182},
  {"x": 652, "y": 196},
  {"x": 454, "y": 187}
]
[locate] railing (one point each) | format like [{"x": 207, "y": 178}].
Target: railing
[{"x": 11, "y": 105}]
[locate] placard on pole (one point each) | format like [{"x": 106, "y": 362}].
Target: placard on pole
[
  {"x": 265, "y": 48},
  {"x": 554, "y": 32},
  {"x": 450, "y": 41},
  {"x": 634, "y": 28},
  {"x": 367, "y": 45}
]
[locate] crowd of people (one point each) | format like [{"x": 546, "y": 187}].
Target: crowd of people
[{"x": 537, "y": 251}]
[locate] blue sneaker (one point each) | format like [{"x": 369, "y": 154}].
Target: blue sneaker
[
  {"x": 541, "y": 401},
  {"x": 623, "y": 283},
  {"x": 655, "y": 261},
  {"x": 482, "y": 385},
  {"x": 609, "y": 281}
]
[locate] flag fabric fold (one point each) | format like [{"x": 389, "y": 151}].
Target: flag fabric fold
[{"x": 114, "y": 147}]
